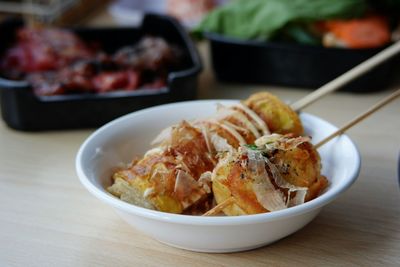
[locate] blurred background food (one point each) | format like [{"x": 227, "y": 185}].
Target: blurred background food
[
  {"x": 340, "y": 23},
  {"x": 301, "y": 43},
  {"x": 355, "y": 24},
  {"x": 57, "y": 61},
  {"x": 80, "y": 77},
  {"x": 297, "y": 43}
]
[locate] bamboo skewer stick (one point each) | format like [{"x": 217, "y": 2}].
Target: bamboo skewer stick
[
  {"x": 360, "y": 117},
  {"x": 347, "y": 76},
  {"x": 218, "y": 209}
]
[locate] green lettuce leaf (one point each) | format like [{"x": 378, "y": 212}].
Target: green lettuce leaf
[{"x": 261, "y": 19}]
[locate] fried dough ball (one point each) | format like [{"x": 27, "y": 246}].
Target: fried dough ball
[
  {"x": 301, "y": 166},
  {"x": 276, "y": 173},
  {"x": 169, "y": 178},
  {"x": 231, "y": 178},
  {"x": 279, "y": 117}
]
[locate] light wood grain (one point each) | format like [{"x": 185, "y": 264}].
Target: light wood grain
[
  {"x": 48, "y": 219},
  {"x": 359, "y": 118},
  {"x": 219, "y": 208}
]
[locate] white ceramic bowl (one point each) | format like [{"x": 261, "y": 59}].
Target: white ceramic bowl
[{"x": 122, "y": 139}]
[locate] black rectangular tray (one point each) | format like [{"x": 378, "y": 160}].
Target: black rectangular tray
[
  {"x": 290, "y": 64},
  {"x": 23, "y": 110}
]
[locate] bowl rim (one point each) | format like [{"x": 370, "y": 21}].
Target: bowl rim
[{"x": 309, "y": 206}]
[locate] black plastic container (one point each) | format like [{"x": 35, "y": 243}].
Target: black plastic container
[
  {"x": 296, "y": 65},
  {"x": 23, "y": 110}
]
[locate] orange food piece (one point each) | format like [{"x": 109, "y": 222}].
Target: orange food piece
[{"x": 371, "y": 31}]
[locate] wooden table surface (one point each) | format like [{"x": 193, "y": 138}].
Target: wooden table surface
[{"x": 47, "y": 218}]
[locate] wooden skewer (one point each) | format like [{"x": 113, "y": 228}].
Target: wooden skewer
[
  {"x": 347, "y": 76},
  {"x": 360, "y": 117},
  {"x": 218, "y": 209}
]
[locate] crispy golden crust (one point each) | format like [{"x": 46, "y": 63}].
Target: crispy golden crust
[
  {"x": 316, "y": 188},
  {"x": 290, "y": 164},
  {"x": 301, "y": 166},
  {"x": 232, "y": 180},
  {"x": 188, "y": 145},
  {"x": 155, "y": 176},
  {"x": 278, "y": 116}
]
